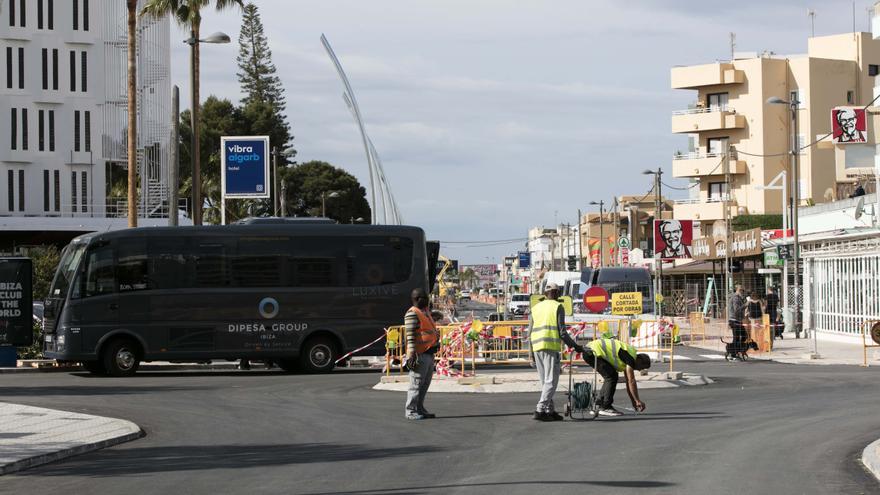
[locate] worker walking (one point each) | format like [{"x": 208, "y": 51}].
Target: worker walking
[
  {"x": 422, "y": 341},
  {"x": 546, "y": 334},
  {"x": 609, "y": 357}
]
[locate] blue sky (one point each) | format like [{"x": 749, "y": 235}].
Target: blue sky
[{"x": 495, "y": 116}]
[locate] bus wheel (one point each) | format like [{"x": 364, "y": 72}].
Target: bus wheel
[
  {"x": 318, "y": 355},
  {"x": 94, "y": 367},
  {"x": 121, "y": 358}
]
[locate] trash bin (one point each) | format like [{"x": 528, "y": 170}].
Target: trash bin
[{"x": 8, "y": 356}]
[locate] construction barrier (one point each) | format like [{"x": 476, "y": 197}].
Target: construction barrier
[
  {"x": 865, "y": 345},
  {"x": 696, "y": 329},
  {"x": 654, "y": 336}
]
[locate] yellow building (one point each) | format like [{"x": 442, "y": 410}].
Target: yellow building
[{"x": 731, "y": 109}]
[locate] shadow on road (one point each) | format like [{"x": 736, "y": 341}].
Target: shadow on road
[
  {"x": 82, "y": 391},
  {"x": 572, "y": 485},
  {"x": 169, "y": 458},
  {"x": 500, "y": 415},
  {"x": 663, "y": 416}
]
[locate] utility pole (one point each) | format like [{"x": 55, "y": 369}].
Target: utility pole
[
  {"x": 796, "y": 192},
  {"x": 732, "y": 45},
  {"x": 658, "y": 202},
  {"x": 616, "y": 227},
  {"x": 727, "y": 234}
]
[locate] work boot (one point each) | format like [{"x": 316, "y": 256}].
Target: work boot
[
  {"x": 609, "y": 411},
  {"x": 538, "y": 416},
  {"x": 555, "y": 416}
]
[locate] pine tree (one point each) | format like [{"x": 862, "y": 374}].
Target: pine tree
[{"x": 256, "y": 70}]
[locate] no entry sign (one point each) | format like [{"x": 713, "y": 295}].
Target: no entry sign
[{"x": 596, "y": 299}]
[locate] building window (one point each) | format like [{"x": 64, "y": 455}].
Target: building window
[
  {"x": 76, "y": 130},
  {"x": 39, "y": 14},
  {"x": 717, "y": 191},
  {"x": 716, "y": 146},
  {"x": 85, "y": 15},
  {"x": 850, "y": 97},
  {"x": 84, "y": 177},
  {"x": 72, "y": 71},
  {"x": 88, "y": 130},
  {"x": 84, "y": 71},
  {"x": 55, "y": 69},
  {"x": 41, "y": 129},
  {"x": 873, "y": 69},
  {"x": 51, "y": 10},
  {"x": 11, "y": 13},
  {"x": 24, "y": 129},
  {"x": 45, "y": 59},
  {"x": 51, "y": 130},
  {"x": 10, "y": 181},
  {"x": 717, "y": 101},
  {"x": 73, "y": 192},
  {"x": 57, "y": 177},
  {"x": 45, "y": 190},
  {"x": 13, "y": 129},
  {"x": 21, "y": 68},
  {"x": 75, "y": 15},
  {"x": 9, "y": 67},
  {"x": 21, "y": 189}
]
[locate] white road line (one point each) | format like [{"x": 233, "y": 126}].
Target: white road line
[
  {"x": 683, "y": 358},
  {"x": 712, "y": 356}
]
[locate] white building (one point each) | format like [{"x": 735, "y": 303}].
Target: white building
[{"x": 63, "y": 117}]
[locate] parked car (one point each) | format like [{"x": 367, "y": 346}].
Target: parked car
[
  {"x": 518, "y": 305},
  {"x": 464, "y": 295}
]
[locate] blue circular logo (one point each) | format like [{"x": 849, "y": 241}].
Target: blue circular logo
[{"x": 269, "y": 308}]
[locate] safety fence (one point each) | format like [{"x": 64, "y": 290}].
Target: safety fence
[
  {"x": 465, "y": 345},
  {"x": 714, "y": 333}
]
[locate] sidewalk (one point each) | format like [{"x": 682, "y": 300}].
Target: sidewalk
[
  {"x": 30, "y": 436},
  {"x": 798, "y": 351}
]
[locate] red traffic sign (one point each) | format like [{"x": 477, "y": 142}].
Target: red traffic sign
[{"x": 596, "y": 299}]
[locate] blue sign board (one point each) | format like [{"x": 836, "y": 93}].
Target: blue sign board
[
  {"x": 245, "y": 162},
  {"x": 525, "y": 259}
]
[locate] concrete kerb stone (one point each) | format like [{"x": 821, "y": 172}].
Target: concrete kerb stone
[
  {"x": 526, "y": 382},
  {"x": 871, "y": 458},
  {"x": 35, "y": 435}
]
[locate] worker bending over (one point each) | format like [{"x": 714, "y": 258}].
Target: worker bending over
[{"x": 615, "y": 356}]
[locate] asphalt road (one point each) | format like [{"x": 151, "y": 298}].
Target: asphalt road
[{"x": 762, "y": 428}]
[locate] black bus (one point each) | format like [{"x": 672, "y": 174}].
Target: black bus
[{"x": 299, "y": 293}]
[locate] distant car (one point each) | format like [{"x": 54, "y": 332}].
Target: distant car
[
  {"x": 464, "y": 295},
  {"x": 518, "y": 305},
  {"x": 494, "y": 292}
]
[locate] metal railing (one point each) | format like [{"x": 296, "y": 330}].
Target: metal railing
[
  {"x": 698, "y": 109},
  {"x": 698, "y": 201},
  {"x": 696, "y": 155},
  {"x": 112, "y": 208}
]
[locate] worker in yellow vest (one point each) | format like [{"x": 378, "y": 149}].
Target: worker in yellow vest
[
  {"x": 609, "y": 357},
  {"x": 422, "y": 342},
  {"x": 546, "y": 335}
]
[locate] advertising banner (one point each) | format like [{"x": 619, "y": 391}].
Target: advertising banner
[
  {"x": 16, "y": 302},
  {"x": 848, "y": 125},
  {"x": 673, "y": 239},
  {"x": 245, "y": 166},
  {"x": 486, "y": 273}
]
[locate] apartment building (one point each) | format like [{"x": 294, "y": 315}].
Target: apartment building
[
  {"x": 731, "y": 110},
  {"x": 63, "y": 116}
]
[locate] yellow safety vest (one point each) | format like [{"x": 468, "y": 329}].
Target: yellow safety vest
[
  {"x": 544, "y": 335},
  {"x": 608, "y": 350}
]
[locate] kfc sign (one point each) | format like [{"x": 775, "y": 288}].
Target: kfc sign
[
  {"x": 673, "y": 238},
  {"x": 849, "y": 125}
]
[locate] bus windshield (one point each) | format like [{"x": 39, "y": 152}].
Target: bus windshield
[{"x": 70, "y": 258}]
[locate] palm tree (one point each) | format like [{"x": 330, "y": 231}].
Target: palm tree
[
  {"x": 132, "y": 113},
  {"x": 188, "y": 14}
]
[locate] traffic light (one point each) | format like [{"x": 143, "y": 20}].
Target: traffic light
[{"x": 572, "y": 263}]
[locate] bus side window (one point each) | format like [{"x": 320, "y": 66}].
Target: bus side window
[
  {"x": 132, "y": 268},
  {"x": 99, "y": 277}
]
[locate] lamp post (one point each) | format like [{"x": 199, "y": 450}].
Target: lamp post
[
  {"x": 324, "y": 196},
  {"x": 601, "y": 204},
  {"x": 658, "y": 215},
  {"x": 286, "y": 153},
  {"x": 794, "y": 106},
  {"x": 195, "y": 159}
]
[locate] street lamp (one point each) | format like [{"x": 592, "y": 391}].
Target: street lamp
[
  {"x": 601, "y": 230},
  {"x": 794, "y": 106},
  {"x": 658, "y": 214},
  {"x": 324, "y": 196},
  {"x": 195, "y": 159},
  {"x": 286, "y": 153}
]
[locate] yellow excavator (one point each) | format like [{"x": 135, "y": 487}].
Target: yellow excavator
[{"x": 441, "y": 281}]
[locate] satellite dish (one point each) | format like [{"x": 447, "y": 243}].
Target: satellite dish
[
  {"x": 875, "y": 332},
  {"x": 860, "y": 208}
]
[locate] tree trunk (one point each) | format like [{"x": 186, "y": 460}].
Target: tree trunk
[
  {"x": 194, "y": 125},
  {"x": 132, "y": 114}
]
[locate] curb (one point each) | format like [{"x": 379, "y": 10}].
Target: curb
[
  {"x": 871, "y": 458},
  {"x": 70, "y": 452}
]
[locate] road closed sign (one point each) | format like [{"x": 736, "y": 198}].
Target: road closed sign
[
  {"x": 626, "y": 303},
  {"x": 16, "y": 306}
]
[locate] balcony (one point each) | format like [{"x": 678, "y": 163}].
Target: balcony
[
  {"x": 706, "y": 119},
  {"x": 701, "y": 209},
  {"x": 695, "y": 76},
  {"x": 705, "y": 164}
]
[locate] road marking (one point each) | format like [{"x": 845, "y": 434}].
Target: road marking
[
  {"x": 683, "y": 358},
  {"x": 712, "y": 356}
]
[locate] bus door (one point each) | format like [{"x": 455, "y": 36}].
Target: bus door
[{"x": 94, "y": 297}]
